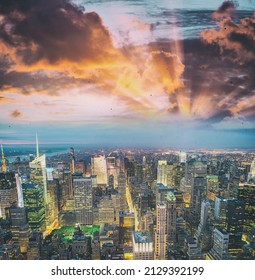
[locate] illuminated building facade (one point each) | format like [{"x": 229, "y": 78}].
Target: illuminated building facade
[
  {"x": 122, "y": 191},
  {"x": 19, "y": 227},
  {"x": 246, "y": 194},
  {"x": 171, "y": 219},
  {"x": 8, "y": 191},
  {"x": 34, "y": 203},
  {"x": 83, "y": 199},
  {"x": 4, "y": 166},
  {"x": 234, "y": 223},
  {"x": 160, "y": 250},
  {"x": 162, "y": 172}
]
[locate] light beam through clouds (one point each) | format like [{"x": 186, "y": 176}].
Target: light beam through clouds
[{"x": 62, "y": 64}]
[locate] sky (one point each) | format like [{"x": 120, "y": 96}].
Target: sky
[{"x": 126, "y": 73}]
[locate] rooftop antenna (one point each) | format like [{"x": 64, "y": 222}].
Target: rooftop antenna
[{"x": 37, "y": 146}]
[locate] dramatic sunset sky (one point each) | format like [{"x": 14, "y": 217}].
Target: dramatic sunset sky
[{"x": 135, "y": 73}]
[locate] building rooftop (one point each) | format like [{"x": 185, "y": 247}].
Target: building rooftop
[
  {"x": 29, "y": 185},
  {"x": 142, "y": 237}
]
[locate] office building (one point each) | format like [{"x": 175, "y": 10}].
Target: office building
[
  {"x": 99, "y": 169},
  {"x": 83, "y": 199},
  {"x": 142, "y": 246},
  {"x": 220, "y": 245},
  {"x": 246, "y": 194},
  {"x": 160, "y": 250},
  {"x": 8, "y": 191},
  {"x": 34, "y": 203}
]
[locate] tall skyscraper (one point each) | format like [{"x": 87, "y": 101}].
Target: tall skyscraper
[
  {"x": 112, "y": 171},
  {"x": 99, "y": 169},
  {"x": 19, "y": 227},
  {"x": 72, "y": 161},
  {"x": 83, "y": 199},
  {"x": 251, "y": 175},
  {"x": 38, "y": 174},
  {"x": 205, "y": 206},
  {"x": 19, "y": 222},
  {"x": 234, "y": 223},
  {"x": 35, "y": 205},
  {"x": 160, "y": 250},
  {"x": 122, "y": 191},
  {"x": 19, "y": 191},
  {"x": 162, "y": 172},
  {"x": 171, "y": 219},
  {"x": 72, "y": 171},
  {"x": 4, "y": 166},
  {"x": 182, "y": 156},
  {"x": 246, "y": 194},
  {"x": 220, "y": 210},
  {"x": 198, "y": 193}
]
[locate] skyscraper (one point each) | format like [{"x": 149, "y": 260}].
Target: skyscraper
[
  {"x": 251, "y": 175},
  {"x": 72, "y": 171},
  {"x": 205, "y": 206},
  {"x": 112, "y": 171},
  {"x": 162, "y": 172},
  {"x": 182, "y": 156},
  {"x": 160, "y": 250},
  {"x": 34, "y": 203},
  {"x": 99, "y": 169},
  {"x": 171, "y": 219},
  {"x": 19, "y": 222},
  {"x": 72, "y": 160},
  {"x": 4, "y": 166},
  {"x": 246, "y": 194},
  {"x": 220, "y": 210},
  {"x": 83, "y": 199},
  {"x": 122, "y": 191},
  {"x": 19, "y": 227},
  {"x": 198, "y": 193},
  {"x": 234, "y": 223}
]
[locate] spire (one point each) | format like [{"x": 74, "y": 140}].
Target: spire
[
  {"x": 37, "y": 146},
  {"x": 19, "y": 191},
  {"x": 4, "y": 167}
]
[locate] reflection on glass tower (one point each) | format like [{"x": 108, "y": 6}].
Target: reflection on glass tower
[
  {"x": 38, "y": 177},
  {"x": 34, "y": 203}
]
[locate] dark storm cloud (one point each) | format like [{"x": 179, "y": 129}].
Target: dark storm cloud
[
  {"x": 53, "y": 30},
  {"x": 39, "y": 82},
  {"x": 227, "y": 9}
]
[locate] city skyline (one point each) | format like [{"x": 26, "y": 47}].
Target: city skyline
[
  {"x": 154, "y": 75},
  {"x": 128, "y": 205}
]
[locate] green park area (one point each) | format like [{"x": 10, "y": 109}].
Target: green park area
[{"x": 67, "y": 232}]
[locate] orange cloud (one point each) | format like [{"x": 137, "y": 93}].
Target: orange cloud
[
  {"x": 238, "y": 37},
  {"x": 54, "y": 40}
]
